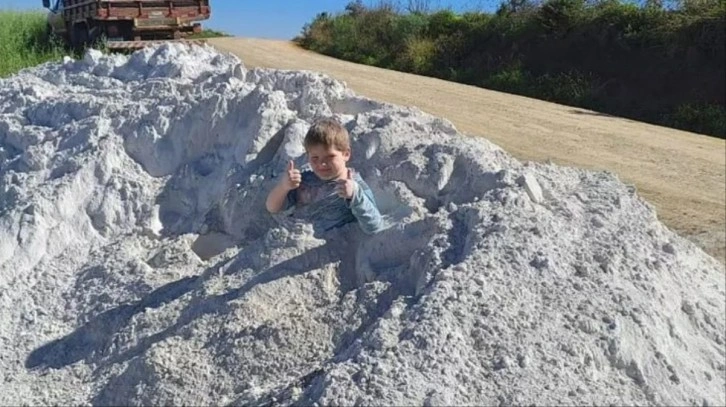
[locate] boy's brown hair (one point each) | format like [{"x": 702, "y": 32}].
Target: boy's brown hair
[{"x": 327, "y": 133}]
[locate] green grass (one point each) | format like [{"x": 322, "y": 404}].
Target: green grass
[
  {"x": 24, "y": 42},
  {"x": 208, "y": 34}
]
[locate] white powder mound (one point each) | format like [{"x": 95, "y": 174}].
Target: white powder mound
[{"x": 138, "y": 265}]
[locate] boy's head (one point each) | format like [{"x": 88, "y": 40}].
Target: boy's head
[{"x": 328, "y": 146}]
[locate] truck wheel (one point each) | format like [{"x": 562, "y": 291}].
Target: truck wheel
[
  {"x": 95, "y": 35},
  {"x": 79, "y": 36}
]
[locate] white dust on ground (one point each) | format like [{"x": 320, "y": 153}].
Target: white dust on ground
[{"x": 139, "y": 267}]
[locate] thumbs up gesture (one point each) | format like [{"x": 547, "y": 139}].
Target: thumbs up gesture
[
  {"x": 292, "y": 177},
  {"x": 346, "y": 186}
]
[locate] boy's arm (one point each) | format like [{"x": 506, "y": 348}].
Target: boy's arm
[
  {"x": 364, "y": 208},
  {"x": 277, "y": 199},
  {"x": 290, "y": 181}
]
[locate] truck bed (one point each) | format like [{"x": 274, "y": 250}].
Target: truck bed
[{"x": 160, "y": 12}]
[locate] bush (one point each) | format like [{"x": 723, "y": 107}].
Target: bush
[
  {"x": 418, "y": 56},
  {"x": 442, "y": 23},
  {"x": 703, "y": 118},
  {"x": 559, "y": 17},
  {"x": 406, "y": 28},
  {"x": 510, "y": 80}
]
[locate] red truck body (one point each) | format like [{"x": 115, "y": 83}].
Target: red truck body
[{"x": 124, "y": 22}]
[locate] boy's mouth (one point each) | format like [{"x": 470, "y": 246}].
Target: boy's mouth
[{"x": 327, "y": 174}]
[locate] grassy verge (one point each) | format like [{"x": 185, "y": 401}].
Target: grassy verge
[
  {"x": 208, "y": 34},
  {"x": 24, "y": 41}
]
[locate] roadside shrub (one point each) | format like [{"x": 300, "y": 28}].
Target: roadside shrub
[
  {"x": 418, "y": 56},
  {"x": 512, "y": 80},
  {"x": 559, "y": 17},
  {"x": 442, "y": 23},
  {"x": 704, "y": 118}
]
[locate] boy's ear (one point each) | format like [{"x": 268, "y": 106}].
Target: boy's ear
[{"x": 347, "y": 154}]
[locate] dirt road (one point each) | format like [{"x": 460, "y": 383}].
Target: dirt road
[{"x": 683, "y": 174}]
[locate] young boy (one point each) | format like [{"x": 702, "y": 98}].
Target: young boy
[{"x": 331, "y": 195}]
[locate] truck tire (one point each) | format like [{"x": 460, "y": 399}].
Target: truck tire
[
  {"x": 79, "y": 36},
  {"x": 95, "y": 34},
  {"x": 54, "y": 38}
]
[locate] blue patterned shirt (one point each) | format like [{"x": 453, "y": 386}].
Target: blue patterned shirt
[{"x": 316, "y": 201}]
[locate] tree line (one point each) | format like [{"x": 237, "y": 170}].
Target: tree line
[{"x": 661, "y": 61}]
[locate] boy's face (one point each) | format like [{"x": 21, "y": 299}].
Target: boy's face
[{"x": 328, "y": 163}]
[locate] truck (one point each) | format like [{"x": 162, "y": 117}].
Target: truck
[{"x": 124, "y": 24}]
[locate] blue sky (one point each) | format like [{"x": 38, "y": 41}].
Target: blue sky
[{"x": 281, "y": 19}]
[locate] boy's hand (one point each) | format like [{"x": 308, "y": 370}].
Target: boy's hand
[
  {"x": 292, "y": 177},
  {"x": 346, "y": 186}
]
